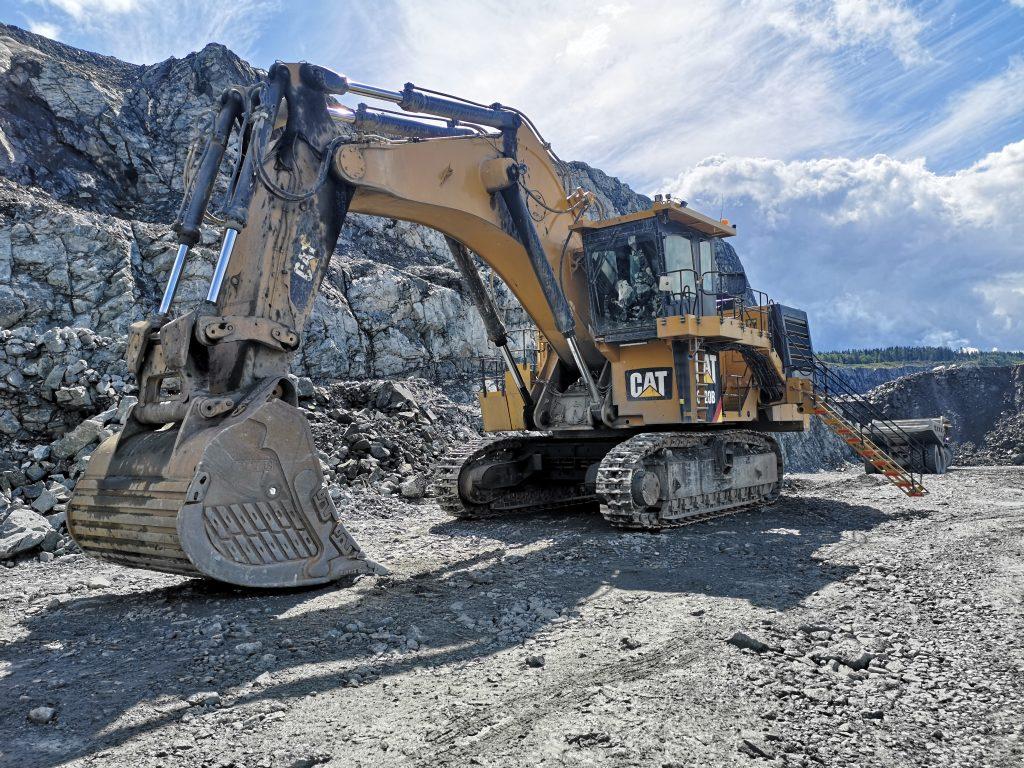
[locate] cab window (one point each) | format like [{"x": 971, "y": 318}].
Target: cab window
[
  {"x": 679, "y": 270},
  {"x": 625, "y": 283},
  {"x": 707, "y": 266}
]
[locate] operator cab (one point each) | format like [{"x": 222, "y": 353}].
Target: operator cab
[{"x": 654, "y": 263}]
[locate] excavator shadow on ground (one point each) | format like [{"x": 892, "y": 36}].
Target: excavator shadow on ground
[{"x": 766, "y": 558}]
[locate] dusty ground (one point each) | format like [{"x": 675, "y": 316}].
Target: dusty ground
[{"x": 555, "y": 641}]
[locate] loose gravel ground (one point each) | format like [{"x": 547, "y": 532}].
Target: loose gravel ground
[{"x": 847, "y": 625}]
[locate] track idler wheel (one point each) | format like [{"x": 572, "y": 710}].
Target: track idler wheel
[{"x": 646, "y": 486}]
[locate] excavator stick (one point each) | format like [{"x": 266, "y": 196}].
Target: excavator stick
[{"x": 215, "y": 473}]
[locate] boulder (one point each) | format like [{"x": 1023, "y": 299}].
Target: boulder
[
  {"x": 84, "y": 434},
  {"x": 22, "y": 531},
  {"x": 414, "y": 488}
]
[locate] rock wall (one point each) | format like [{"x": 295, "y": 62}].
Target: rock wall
[
  {"x": 984, "y": 404},
  {"x": 813, "y": 450}
]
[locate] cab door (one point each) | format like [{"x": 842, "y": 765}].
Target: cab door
[{"x": 689, "y": 278}]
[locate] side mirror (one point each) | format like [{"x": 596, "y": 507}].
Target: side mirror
[{"x": 665, "y": 284}]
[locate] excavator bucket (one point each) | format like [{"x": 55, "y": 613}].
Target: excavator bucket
[{"x": 243, "y": 502}]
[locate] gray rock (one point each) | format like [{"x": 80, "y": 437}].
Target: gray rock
[
  {"x": 41, "y": 715},
  {"x": 39, "y": 453},
  {"x": 45, "y": 502},
  {"x": 81, "y": 436},
  {"x": 33, "y": 491},
  {"x": 22, "y": 531},
  {"x": 204, "y": 699},
  {"x": 392, "y": 395},
  {"x": 9, "y": 423},
  {"x": 35, "y": 473},
  {"x": 50, "y": 541},
  {"x": 414, "y": 488},
  {"x": 535, "y": 660},
  {"x": 754, "y": 744},
  {"x": 124, "y": 406},
  {"x": 304, "y": 387},
  {"x": 743, "y": 640},
  {"x": 73, "y": 397}
]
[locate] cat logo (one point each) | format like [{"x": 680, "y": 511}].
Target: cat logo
[
  {"x": 306, "y": 260},
  {"x": 649, "y": 384}
]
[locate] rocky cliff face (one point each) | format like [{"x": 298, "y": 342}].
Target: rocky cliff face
[
  {"x": 813, "y": 450},
  {"x": 984, "y": 404}
]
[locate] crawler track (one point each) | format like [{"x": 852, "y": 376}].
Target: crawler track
[
  {"x": 525, "y": 500},
  {"x": 616, "y": 473},
  {"x": 614, "y": 483}
]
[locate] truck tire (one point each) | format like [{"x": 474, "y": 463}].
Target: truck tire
[{"x": 935, "y": 460}]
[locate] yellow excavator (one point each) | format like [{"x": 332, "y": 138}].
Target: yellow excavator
[{"x": 652, "y": 390}]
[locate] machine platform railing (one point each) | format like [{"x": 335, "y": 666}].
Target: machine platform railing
[
  {"x": 491, "y": 369},
  {"x": 713, "y": 293}
]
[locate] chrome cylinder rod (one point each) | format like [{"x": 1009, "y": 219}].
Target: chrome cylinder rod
[
  {"x": 342, "y": 114},
  {"x": 577, "y": 357},
  {"x": 373, "y": 92},
  {"x": 172, "y": 280},
  {"x": 222, "y": 264},
  {"x": 510, "y": 363}
]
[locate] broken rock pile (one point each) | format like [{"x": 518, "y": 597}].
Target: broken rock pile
[
  {"x": 379, "y": 435},
  {"x": 50, "y": 381},
  {"x": 984, "y": 404}
]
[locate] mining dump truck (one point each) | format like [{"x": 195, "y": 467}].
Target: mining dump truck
[
  {"x": 930, "y": 451},
  {"x": 661, "y": 378}
]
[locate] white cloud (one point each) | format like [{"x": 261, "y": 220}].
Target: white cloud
[
  {"x": 1005, "y": 297},
  {"x": 983, "y": 109},
  {"x": 635, "y": 87},
  {"x": 880, "y": 250},
  {"x": 841, "y": 23},
  {"x": 44, "y": 28},
  {"x": 83, "y": 9}
]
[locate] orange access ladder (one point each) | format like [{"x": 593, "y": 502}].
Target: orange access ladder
[{"x": 855, "y": 437}]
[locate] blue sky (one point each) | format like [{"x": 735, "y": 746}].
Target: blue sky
[{"x": 872, "y": 151}]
